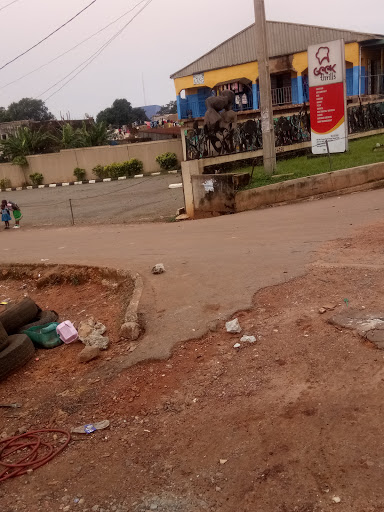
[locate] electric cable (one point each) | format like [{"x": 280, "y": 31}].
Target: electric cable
[
  {"x": 48, "y": 36},
  {"x": 88, "y": 61},
  {"x": 8, "y": 5},
  {"x": 73, "y": 47}
]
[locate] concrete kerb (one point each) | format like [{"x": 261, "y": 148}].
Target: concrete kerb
[
  {"x": 320, "y": 185},
  {"x": 85, "y": 182},
  {"x": 131, "y": 327}
]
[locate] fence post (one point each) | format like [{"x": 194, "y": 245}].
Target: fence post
[
  {"x": 70, "y": 205},
  {"x": 329, "y": 155}
]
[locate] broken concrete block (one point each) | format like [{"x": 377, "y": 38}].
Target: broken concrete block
[
  {"x": 233, "y": 326},
  {"x": 369, "y": 326},
  {"x": 130, "y": 331},
  {"x": 158, "y": 269},
  {"x": 97, "y": 340},
  {"x": 248, "y": 339},
  {"x": 88, "y": 353}
]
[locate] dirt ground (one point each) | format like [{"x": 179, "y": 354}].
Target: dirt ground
[{"x": 287, "y": 424}]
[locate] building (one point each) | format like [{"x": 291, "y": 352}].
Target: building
[
  {"x": 52, "y": 125},
  {"x": 233, "y": 65}
]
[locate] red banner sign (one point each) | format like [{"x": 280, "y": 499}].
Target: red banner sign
[{"x": 327, "y": 107}]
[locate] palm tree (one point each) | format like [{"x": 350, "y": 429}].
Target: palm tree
[
  {"x": 95, "y": 134},
  {"x": 23, "y": 143},
  {"x": 68, "y": 137}
]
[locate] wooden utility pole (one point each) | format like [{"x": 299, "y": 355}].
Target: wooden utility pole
[{"x": 266, "y": 109}]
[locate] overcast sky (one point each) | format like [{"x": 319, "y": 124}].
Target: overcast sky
[{"x": 165, "y": 37}]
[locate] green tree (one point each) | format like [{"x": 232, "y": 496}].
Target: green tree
[
  {"x": 29, "y": 109},
  {"x": 68, "y": 137},
  {"x": 169, "y": 108},
  {"x": 4, "y": 116},
  {"x": 25, "y": 142},
  {"x": 95, "y": 134},
  {"x": 121, "y": 112}
]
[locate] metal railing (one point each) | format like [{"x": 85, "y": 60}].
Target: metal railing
[
  {"x": 373, "y": 84},
  {"x": 281, "y": 96}
]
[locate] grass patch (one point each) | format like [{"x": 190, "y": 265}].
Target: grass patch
[{"x": 360, "y": 153}]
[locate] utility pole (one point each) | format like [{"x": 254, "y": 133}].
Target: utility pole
[{"x": 266, "y": 109}]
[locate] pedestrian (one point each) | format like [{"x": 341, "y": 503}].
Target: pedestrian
[
  {"x": 17, "y": 215},
  {"x": 5, "y": 216}
]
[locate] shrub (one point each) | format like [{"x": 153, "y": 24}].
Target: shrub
[
  {"x": 79, "y": 173},
  {"x": 99, "y": 172},
  {"x": 36, "y": 178},
  {"x": 20, "y": 160},
  {"x": 114, "y": 170},
  {"x": 167, "y": 161},
  {"x": 133, "y": 166},
  {"x": 5, "y": 183}
]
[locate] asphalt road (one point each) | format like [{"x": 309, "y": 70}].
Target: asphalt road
[
  {"x": 135, "y": 200},
  {"x": 213, "y": 266}
]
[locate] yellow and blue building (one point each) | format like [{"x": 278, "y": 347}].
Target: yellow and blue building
[{"x": 233, "y": 65}]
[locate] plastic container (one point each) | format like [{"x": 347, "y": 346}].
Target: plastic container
[
  {"x": 67, "y": 332},
  {"x": 44, "y": 336}
]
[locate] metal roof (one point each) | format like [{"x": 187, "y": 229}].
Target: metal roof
[{"x": 283, "y": 39}]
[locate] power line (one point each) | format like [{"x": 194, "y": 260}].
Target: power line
[
  {"x": 73, "y": 47},
  {"x": 89, "y": 61},
  {"x": 48, "y": 36},
  {"x": 11, "y": 3}
]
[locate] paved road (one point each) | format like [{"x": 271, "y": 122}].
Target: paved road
[
  {"x": 214, "y": 266},
  {"x": 135, "y": 200}
]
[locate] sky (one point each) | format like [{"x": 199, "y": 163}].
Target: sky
[{"x": 166, "y": 36}]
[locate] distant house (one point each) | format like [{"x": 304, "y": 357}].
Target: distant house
[
  {"x": 233, "y": 65},
  {"x": 169, "y": 118},
  {"x": 11, "y": 127}
]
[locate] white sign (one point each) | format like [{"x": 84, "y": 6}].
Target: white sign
[
  {"x": 327, "y": 97},
  {"x": 198, "y": 79}
]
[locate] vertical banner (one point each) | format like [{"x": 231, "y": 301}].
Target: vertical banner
[{"x": 327, "y": 97}]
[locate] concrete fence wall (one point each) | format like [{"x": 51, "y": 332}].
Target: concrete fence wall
[
  {"x": 301, "y": 188},
  {"x": 59, "y": 167},
  {"x": 207, "y": 194}
]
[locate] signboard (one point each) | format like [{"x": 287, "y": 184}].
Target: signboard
[
  {"x": 327, "y": 97},
  {"x": 198, "y": 79}
]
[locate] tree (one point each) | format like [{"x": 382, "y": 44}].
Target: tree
[
  {"x": 4, "y": 116},
  {"x": 121, "y": 112},
  {"x": 29, "y": 109},
  {"x": 68, "y": 137},
  {"x": 169, "y": 108},
  {"x": 24, "y": 142},
  {"x": 95, "y": 134}
]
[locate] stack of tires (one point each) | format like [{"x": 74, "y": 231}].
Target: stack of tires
[{"x": 17, "y": 349}]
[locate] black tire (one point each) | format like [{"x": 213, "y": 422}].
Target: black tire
[
  {"x": 45, "y": 317},
  {"x": 19, "y": 314},
  {"x": 16, "y": 355},
  {"x": 4, "y": 344},
  {"x": 3, "y": 334}
]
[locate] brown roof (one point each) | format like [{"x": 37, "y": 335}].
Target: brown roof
[{"x": 283, "y": 39}]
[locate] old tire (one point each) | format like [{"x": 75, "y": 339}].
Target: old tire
[
  {"x": 45, "y": 317},
  {"x": 4, "y": 344},
  {"x": 3, "y": 334},
  {"x": 18, "y": 315},
  {"x": 16, "y": 355}
]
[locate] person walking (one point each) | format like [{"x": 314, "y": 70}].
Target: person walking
[
  {"x": 5, "y": 216},
  {"x": 17, "y": 215}
]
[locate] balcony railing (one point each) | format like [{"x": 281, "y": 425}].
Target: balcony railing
[
  {"x": 373, "y": 84},
  {"x": 282, "y": 96}
]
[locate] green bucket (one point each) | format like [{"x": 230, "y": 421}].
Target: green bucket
[{"x": 44, "y": 336}]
